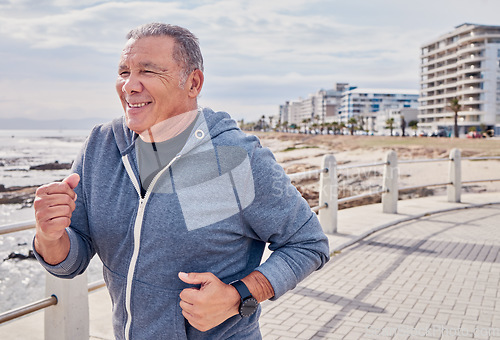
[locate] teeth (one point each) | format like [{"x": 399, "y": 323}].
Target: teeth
[{"x": 137, "y": 105}]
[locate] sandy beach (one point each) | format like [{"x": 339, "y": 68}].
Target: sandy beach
[{"x": 297, "y": 153}]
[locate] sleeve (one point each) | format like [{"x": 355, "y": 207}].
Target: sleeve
[
  {"x": 81, "y": 248},
  {"x": 280, "y": 216}
]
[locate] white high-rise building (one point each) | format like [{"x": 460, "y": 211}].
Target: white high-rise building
[
  {"x": 463, "y": 64},
  {"x": 329, "y": 101},
  {"x": 284, "y": 112},
  {"x": 365, "y": 105},
  {"x": 301, "y": 110},
  {"x": 320, "y": 107}
]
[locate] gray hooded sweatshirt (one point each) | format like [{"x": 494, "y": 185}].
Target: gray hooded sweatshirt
[{"x": 212, "y": 209}]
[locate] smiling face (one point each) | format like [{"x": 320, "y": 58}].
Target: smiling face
[{"x": 149, "y": 83}]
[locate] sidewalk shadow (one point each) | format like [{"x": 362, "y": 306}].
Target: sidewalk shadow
[{"x": 490, "y": 253}]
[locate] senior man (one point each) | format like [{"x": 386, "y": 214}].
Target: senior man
[{"x": 179, "y": 204}]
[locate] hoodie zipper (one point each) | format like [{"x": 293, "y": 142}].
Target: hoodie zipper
[{"x": 137, "y": 233}]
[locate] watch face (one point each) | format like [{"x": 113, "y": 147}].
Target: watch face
[{"x": 248, "y": 307}]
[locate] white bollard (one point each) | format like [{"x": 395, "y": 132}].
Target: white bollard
[
  {"x": 69, "y": 319},
  {"x": 328, "y": 193},
  {"x": 454, "y": 189},
  {"x": 390, "y": 186}
]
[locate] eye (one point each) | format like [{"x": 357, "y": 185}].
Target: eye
[{"x": 123, "y": 73}]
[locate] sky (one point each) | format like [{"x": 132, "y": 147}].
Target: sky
[{"x": 58, "y": 58}]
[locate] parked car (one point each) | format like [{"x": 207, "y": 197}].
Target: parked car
[
  {"x": 474, "y": 134},
  {"x": 439, "y": 133}
]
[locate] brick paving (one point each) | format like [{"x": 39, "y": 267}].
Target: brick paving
[{"x": 437, "y": 277}]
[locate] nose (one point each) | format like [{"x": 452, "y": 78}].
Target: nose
[{"x": 132, "y": 85}]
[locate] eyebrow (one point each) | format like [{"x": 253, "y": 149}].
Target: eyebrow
[{"x": 146, "y": 65}]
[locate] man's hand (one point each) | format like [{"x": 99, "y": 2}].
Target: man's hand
[
  {"x": 54, "y": 204},
  {"x": 210, "y": 305}
]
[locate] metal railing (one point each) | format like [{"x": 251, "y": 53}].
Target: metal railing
[
  {"x": 41, "y": 304},
  {"x": 29, "y": 308},
  {"x": 68, "y": 300},
  {"x": 13, "y": 227},
  {"x": 61, "y": 292}
]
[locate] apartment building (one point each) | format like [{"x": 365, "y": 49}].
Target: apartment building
[
  {"x": 301, "y": 110},
  {"x": 320, "y": 107},
  {"x": 284, "y": 115},
  {"x": 329, "y": 102},
  {"x": 463, "y": 64},
  {"x": 365, "y": 104}
]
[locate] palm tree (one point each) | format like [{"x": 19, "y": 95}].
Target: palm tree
[
  {"x": 352, "y": 121},
  {"x": 270, "y": 121},
  {"x": 335, "y": 126},
  {"x": 403, "y": 125},
  {"x": 304, "y": 121},
  {"x": 263, "y": 122},
  {"x": 413, "y": 124},
  {"x": 389, "y": 124},
  {"x": 316, "y": 119},
  {"x": 455, "y": 107},
  {"x": 315, "y": 127},
  {"x": 322, "y": 127},
  {"x": 307, "y": 123},
  {"x": 361, "y": 121},
  {"x": 341, "y": 127}
]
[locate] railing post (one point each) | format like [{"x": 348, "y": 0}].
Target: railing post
[
  {"x": 69, "y": 319},
  {"x": 328, "y": 193},
  {"x": 455, "y": 188},
  {"x": 390, "y": 186}
]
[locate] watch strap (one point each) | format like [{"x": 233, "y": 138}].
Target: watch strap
[{"x": 242, "y": 289}]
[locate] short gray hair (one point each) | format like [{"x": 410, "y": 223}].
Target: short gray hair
[{"x": 186, "y": 51}]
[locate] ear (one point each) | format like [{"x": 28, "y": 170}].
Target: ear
[{"x": 195, "y": 83}]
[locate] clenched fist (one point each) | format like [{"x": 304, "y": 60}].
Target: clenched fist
[{"x": 54, "y": 204}]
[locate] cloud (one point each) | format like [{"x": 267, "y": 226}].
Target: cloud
[
  {"x": 250, "y": 28},
  {"x": 42, "y": 99},
  {"x": 257, "y": 53}
]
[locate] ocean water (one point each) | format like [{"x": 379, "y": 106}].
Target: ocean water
[
  {"x": 23, "y": 281},
  {"x": 20, "y": 149}
]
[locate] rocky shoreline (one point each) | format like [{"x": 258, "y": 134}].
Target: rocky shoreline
[
  {"x": 17, "y": 195},
  {"x": 25, "y": 195},
  {"x": 52, "y": 166}
]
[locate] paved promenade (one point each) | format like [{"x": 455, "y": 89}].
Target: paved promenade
[
  {"x": 436, "y": 277},
  {"x": 432, "y": 271}
]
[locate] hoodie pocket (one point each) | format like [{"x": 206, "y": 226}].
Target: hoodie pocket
[{"x": 156, "y": 313}]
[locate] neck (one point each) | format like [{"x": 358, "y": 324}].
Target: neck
[{"x": 168, "y": 128}]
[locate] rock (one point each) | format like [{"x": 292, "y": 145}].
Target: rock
[
  {"x": 17, "y": 195},
  {"x": 52, "y": 166},
  {"x": 17, "y": 256}
]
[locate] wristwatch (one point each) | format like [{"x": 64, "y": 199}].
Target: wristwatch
[{"x": 248, "y": 304}]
